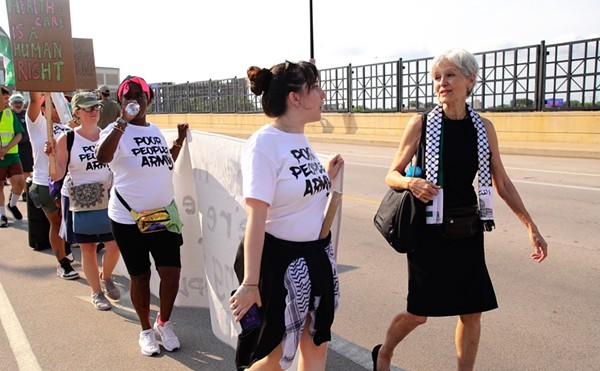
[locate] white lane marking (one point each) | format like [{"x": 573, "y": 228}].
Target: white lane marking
[
  {"x": 353, "y": 352},
  {"x": 551, "y": 171},
  {"x": 506, "y": 167},
  {"x": 16, "y": 336},
  {"x": 519, "y": 181},
  {"x": 371, "y": 165},
  {"x": 558, "y": 185}
]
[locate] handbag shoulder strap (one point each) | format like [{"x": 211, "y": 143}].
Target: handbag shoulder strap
[{"x": 421, "y": 150}]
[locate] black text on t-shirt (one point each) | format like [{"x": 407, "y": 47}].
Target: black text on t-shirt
[
  {"x": 312, "y": 171},
  {"x": 89, "y": 156},
  {"x": 153, "y": 152}
]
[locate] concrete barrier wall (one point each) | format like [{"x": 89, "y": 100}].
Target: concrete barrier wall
[{"x": 558, "y": 127}]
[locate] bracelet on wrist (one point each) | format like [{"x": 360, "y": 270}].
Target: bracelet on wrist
[
  {"x": 121, "y": 121},
  {"x": 118, "y": 128},
  {"x": 177, "y": 144},
  {"x": 249, "y": 285}
]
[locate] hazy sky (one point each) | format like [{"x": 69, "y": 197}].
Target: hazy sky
[{"x": 196, "y": 40}]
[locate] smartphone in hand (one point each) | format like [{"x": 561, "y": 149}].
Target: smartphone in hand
[{"x": 251, "y": 319}]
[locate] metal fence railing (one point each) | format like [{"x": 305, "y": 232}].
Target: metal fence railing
[{"x": 540, "y": 77}]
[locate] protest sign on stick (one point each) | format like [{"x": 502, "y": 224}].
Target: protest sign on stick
[
  {"x": 42, "y": 49},
  {"x": 49, "y": 131}
]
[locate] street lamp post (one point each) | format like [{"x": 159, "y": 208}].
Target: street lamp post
[{"x": 312, "y": 42}]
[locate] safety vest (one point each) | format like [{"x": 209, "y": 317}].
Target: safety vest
[{"x": 7, "y": 130}]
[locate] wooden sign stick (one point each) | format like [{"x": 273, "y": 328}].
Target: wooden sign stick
[
  {"x": 50, "y": 130},
  {"x": 334, "y": 202}
]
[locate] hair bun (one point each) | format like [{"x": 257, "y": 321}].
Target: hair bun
[{"x": 260, "y": 79}]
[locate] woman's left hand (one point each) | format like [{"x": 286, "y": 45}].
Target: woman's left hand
[
  {"x": 334, "y": 164},
  {"x": 539, "y": 245},
  {"x": 243, "y": 298}
]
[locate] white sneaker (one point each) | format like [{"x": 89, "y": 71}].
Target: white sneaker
[
  {"x": 148, "y": 343},
  {"x": 169, "y": 339}
]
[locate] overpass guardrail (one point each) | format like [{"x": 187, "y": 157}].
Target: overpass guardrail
[{"x": 554, "y": 77}]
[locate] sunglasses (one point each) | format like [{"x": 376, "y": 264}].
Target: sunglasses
[
  {"x": 97, "y": 107},
  {"x": 289, "y": 64}
]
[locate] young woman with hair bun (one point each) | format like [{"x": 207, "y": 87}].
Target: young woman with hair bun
[{"x": 284, "y": 267}]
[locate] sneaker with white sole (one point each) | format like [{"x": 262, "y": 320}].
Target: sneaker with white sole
[
  {"x": 16, "y": 213},
  {"x": 109, "y": 289},
  {"x": 169, "y": 339},
  {"x": 100, "y": 301},
  {"x": 66, "y": 271},
  {"x": 3, "y": 221},
  {"x": 148, "y": 344}
]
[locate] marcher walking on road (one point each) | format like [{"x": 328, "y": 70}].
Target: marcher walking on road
[
  {"x": 288, "y": 270},
  {"x": 84, "y": 171},
  {"x": 11, "y": 133},
  {"x": 36, "y": 127},
  {"x": 17, "y": 104},
  {"x": 139, "y": 156},
  {"x": 447, "y": 273}
]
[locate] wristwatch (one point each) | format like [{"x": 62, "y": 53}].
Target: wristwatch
[{"x": 121, "y": 121}]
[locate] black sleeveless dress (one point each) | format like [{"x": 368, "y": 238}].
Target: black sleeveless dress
[{"x": 449, "y": 277}]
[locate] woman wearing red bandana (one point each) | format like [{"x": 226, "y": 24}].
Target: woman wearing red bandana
[{"x": 139, "y": 155}]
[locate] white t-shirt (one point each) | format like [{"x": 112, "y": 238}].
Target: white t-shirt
[
  {"x": 143, "y": 171},
  {"x": 83, "y": 166},
  {"x": 38, "y": 138},
  {"x": 283, "y": 170}
]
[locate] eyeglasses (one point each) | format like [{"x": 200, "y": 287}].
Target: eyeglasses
[{"x": 97, "y": 107}]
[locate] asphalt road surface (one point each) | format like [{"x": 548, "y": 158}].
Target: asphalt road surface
[{"x": 549, "y": 317}]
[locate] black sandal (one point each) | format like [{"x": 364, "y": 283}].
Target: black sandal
[{"x": 375, "y": 355}]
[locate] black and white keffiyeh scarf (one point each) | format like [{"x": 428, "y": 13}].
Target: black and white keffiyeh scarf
[{"x": 484, "y": 177}]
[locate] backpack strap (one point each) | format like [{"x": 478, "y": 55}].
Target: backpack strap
[{"x": 70, "y": 140}]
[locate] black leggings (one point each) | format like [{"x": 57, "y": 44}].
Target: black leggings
[{"x": 136, "y": 247}]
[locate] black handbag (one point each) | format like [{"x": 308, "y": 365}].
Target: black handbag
[{"x": 401, "y": 215}]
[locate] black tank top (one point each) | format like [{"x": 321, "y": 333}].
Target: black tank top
[{"x": 459, "y": 158}]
